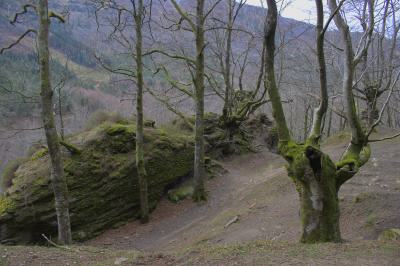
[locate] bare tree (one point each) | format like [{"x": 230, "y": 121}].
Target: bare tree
[
  {"x": 195, "y": 24},
  {"x": 125, "y": 16},
  {"x": 57, "y": 171},
  {"x": 57, "y": 174},
  {"x": 317, "y": 178},
  {"x": 197, "y": 27},
  {"x": 377, "y": 64}
]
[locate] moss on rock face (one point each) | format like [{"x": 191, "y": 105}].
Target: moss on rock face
[
  {"x": 102, "y": 182},
  {"x": 390, "y": 234},
  {"x": 180, "y": 193}
]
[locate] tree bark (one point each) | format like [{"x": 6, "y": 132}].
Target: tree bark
[
  {"x": 306, "y": 123},
  {"x": 313, "y": 172},
  {"x": 140, "y": 166},
  {"x": 199, "y": 193},
  {"x": 328, "y": 133},
  {"x": 358, "y": 137},
  {"x": 319, "y": 205},
  {"x": 269, "y": 40},
  {"x": 60, "y": 114},
  {"x": 226, "y": 111},
  {"x": 57, "y": 172},
  {"x": 320, "y": 112}
]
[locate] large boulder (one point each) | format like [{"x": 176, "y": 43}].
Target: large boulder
[{"x": 102, "y": 182}]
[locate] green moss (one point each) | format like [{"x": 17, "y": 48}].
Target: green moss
[
  {"x": 390, "y": 234},
  {"x": 102, "y": 182},
  {"x": 6, "y": 205},
  {"x": 295, "y": 155},
  {"x": 312, "y": 170},
  {"x": 40, "y": 154},
  {"x": 348, "y": 161},
  {"x": 118, "y": 129},
  {"x": 181, "y": 193}
]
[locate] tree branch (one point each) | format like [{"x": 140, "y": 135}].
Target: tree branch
[{"x": 20, "y": 38}]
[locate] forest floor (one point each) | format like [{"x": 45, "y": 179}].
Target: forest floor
[{"x": 251, "y": 218}]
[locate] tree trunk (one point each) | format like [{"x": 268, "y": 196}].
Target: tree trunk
[
  {"x": 313, "y": 173},
  {"x": 319, "y": 205},
  {"x": 199, "y": 193},
  {"x": 141, "y": 170},
  {"x": 320, "y": 112},
  {"x": 306, "y": 123},
  {"x": 372, "y": 111},
  {"x": 328, "y": 133},
  {"x": 57, "y": 172},
  {"x": 60, "y": 114},
  {"x": 227, "y": 69},
  {"x": 269, "y": 41},
  {"x": 315, "y": 177},
  {"x": 389, "y": 117}
]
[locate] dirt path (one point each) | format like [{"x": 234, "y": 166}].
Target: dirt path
[
  {"x": 257, "y": 190},
  {"x": 175, "y": 225}
]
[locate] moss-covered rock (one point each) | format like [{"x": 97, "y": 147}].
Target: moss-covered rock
[
  {"x": 102, "y": 182},
  {"x": 390, "y": 234},
  {"x": 183, "y": 192}
]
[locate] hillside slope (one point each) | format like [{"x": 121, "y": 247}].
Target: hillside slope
[{"x": 257, "y": 190}]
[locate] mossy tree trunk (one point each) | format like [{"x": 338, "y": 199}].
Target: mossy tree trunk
[
  {"x": 316, "y": 177},
  {"x": 141, "y": 170},
  {"x": 199, "y": 193},
  {"x": 57, "y": 172}
]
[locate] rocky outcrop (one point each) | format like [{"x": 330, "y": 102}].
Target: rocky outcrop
[
  {"x": 102, "y": 179},
  {"x": 102, "y": 182}
]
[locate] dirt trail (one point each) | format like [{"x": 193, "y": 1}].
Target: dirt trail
[{"x": 257, "y": 190}]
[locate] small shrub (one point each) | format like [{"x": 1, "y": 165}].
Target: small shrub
[
  {"x": 101, "y": 116},
  {"x": 9, "y": 173}
]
